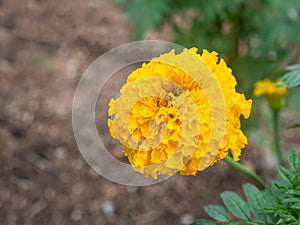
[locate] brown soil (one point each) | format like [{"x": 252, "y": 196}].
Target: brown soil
[{"x": 45, "y": 46}]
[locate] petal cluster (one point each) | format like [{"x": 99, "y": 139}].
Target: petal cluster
[
  {"x": 169, "y": 125},
  {"x": 269, "y": 88}
]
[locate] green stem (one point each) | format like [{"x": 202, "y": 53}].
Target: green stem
[
  {"x": 277, "y": 136},
  {"x": 239, "y": 167}
]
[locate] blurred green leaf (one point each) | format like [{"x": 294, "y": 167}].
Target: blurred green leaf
[
  {"x": 285, "y": 174},
  {"x": 293, "y": 67},
  {"x": 294, "y": 192},
  {"x": 296, "y": 206},
  {"x": 296, "y": 125},
  {"x": 293, "y": 159},
  {"x": 291, "y": 79},
  {"x": 217, "y": 212},
  {"x": 293, "y": 200},
  {"x": 236, "y": 205},
  {"x": 283, "y": 187},
  {"x": 255, "y": 200}
]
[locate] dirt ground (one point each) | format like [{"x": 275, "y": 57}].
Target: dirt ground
[{"x": 45, "y": 46}]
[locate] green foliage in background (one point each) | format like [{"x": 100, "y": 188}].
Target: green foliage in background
[
  {"x": 255, "y": 37},
  {"x": 292, "y": 77},
  {"x": 277, "y": 204}
]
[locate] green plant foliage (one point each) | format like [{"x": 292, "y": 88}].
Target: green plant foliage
[
  {"x": 255, "y": 37},
  {"x": 293, "y": 159},
  {"x": 236, "y": 205},
  {"x": 291, "y": 78},
  {"x": 277, "y": 204},
  {"x": 286, "y": 209},
  {"x": 146, "y": 14},
  {"x": 296, "y": 125},
  {"x": 217, "y": 212},
  {"x": 256, "y": 201}
]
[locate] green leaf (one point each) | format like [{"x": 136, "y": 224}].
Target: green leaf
[
  {"x": 287, "y": 218},
  {"x": 217, "y": 212},
  {"x": 236, "y": 205},
  {"x": 293, "y": 126},
  {"x": 291, "y": 79},
  {"x": 294, "y": 192},
  {"x": 255, "y": 200},
  {"x": 293, "y": 200},
  {"x": 293, "y": 67},
  {"x": 281, "y": 186},
  {"x": 269, "y": 197},
  {"x": 296, "y": 206},
  {"x": 203, "y": 222},
  {"x": 293, "y": 159},
  {"x": 285, "y": 174},
  {"x": 279, "y": 221}
]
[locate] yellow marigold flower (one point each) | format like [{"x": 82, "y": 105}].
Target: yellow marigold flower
[
  {"x": 154, "y": 121},
  {"x": 269, "y": 88},
  {"x": 274, "y": 94}
]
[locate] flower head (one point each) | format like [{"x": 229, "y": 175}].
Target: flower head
[
  {"x": 168, "y": 119},
  {"x": 274, "y": 94},
  {"x": 269, "y": 88}
]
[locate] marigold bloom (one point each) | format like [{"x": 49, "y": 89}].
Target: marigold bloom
[
  {"x": 163, "y": 120},
  {"x": 269, "y": 88},
  {"x": 274, "y": 94}
]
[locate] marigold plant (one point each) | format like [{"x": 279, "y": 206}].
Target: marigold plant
[
  {"x": 275, "y": 93},
  {"x": 164, "y": 120}
]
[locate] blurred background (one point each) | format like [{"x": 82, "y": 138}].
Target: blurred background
[{"x": 45, "y": 46}]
